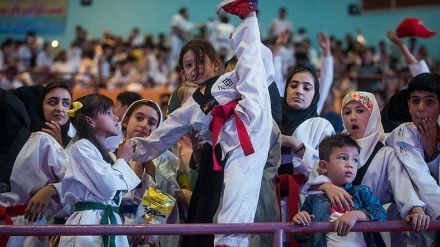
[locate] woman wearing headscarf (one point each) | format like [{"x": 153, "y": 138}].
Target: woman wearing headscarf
[
  {"x": 49, "y": 113},
  {"x": 27, "y": 155},
  {"x": 301, "y": 128}
]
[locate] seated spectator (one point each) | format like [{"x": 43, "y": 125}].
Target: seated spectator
[
  {"x": 44, "y": 59},
  {"x": 87, "y": 72},
  {"x": 9, "y": 80},
  {"x": 125, "y": 74},
  {"x": 62, "y": 68}
]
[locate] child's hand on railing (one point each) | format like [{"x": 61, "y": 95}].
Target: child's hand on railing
[
  {"x": 303, "y": 218},
  {"x": 418, "y": 219}
]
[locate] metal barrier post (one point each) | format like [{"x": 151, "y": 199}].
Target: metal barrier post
[{"x": 278, "y": 239}]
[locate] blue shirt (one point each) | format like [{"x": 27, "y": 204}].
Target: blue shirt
[{"x": 319, "y": 205}]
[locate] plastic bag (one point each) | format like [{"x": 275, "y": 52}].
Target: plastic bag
[{"x": 155, "y": 208}]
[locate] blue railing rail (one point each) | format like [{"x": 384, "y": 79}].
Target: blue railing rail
[{"x": 276, "y": 228}]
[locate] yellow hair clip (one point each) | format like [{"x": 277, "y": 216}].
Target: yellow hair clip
[{"x": 75, "y": 107}]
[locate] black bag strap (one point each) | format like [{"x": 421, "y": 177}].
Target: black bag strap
[{"x": 361, "y": 171}]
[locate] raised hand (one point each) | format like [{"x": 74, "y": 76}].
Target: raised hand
[
  {"x": 324, "y": 43},
  {"x": 392, "y": 36},
  {"x": 281, "y": 40}
]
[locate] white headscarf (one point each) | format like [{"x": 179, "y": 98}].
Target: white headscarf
[
  {"x": 374, "y": 131},
  {"x": 112, "y": 142},
  {"x": 154, "y": 104}
]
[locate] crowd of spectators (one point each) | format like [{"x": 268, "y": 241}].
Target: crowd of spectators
[{"x": 144, "y": 61}]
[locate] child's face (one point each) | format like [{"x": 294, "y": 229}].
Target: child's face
[
  {"x": 142, "y": 121},
  {"x": 300, "y": 90},
  {"x": 342, "y": 166},
  {"x": 355, "y": 117},
  {"x": 423, "y": 105},
  {"x": 106, "y": 124},
  {"x": 55, "y": 106},
  {"x": 207, "y": 68}
]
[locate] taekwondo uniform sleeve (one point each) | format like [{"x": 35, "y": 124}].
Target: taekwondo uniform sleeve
[
  {"x": 387, "y": 178},
  {"x": 314, "y": 180},
  {"x": 434, "y": 167},
  {"x": 168, "y": 133},
  {"x": 406, "y": 142},
  {"x": 310, "y": 132}
]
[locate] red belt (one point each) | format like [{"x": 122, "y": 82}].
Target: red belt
[
  {"x": 5, "y": 214},
  {"x": 221, "y": 114}
]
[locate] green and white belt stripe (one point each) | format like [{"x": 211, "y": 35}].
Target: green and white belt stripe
[{"x": 107, "y": 218}]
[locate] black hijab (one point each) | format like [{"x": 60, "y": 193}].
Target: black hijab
[
  {"x": 292, "y": 118},
  {"x": 275, "y": 103},
  {"x": 29, "y": 95},
  {"x": 36, "y": 110},
  {"x": 396, "y": 111},
  {"x": 14, "y": 133}
]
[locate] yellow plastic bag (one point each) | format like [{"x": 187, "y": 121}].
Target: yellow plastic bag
[
  {"x": 157, "y": 205},
  {"x": 155, "y": 208}
]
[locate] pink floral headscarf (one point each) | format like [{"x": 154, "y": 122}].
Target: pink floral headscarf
[
  {"x": 361, "y": 97},
  {"x": 374, "y": 132}
]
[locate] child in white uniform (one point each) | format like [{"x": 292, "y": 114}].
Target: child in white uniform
[
  {"x": 244, "y": 91},
  {"x": 94, "y": 179},
  {"x": 416, "y": 145}
]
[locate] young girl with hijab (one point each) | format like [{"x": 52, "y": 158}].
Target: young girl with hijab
[
  {"x": 301, "y": 128},
  {"x": 95, "y": 179},
  {"x": 326, "y": 68},
  {"x": 301, "y": 132},
  {"x": 49, "y": 113},
  {"x": 27, "y": 155},
  {"x": 379, "y": 167},
  {"x": 142, "y": 117}
]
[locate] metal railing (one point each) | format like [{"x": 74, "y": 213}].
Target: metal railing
[{"x": 276, "y": 228}]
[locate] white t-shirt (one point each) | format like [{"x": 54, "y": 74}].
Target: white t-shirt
[{"x": 352, "y": 239}]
